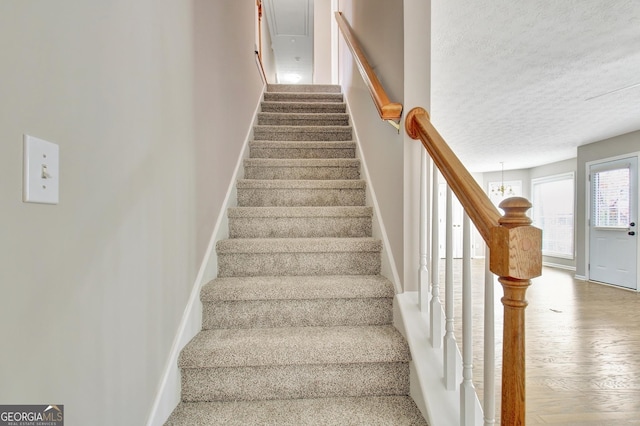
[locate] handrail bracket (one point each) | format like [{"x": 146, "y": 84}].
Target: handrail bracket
[{"x": 394, "y": 124}]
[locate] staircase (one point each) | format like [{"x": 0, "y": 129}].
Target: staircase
[{"x": 297, "y": 326}]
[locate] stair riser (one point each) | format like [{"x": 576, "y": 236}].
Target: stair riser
[
  {"x": 374, "y": 410},
  {"x": 296, "y": 313},
  {"x": 306, "y": 88},
  {"x": 248, "y": 197},
  {"x": 294, "y": 381},
  {"x": 300, "y": 263},
  {"x": 303, "y": 97},
  {"x": 293, "y": 133},
  {"x": 304, "y": 173},
  {"x": 304, "y": 108},
  {"x": 258, "y": 152},
  {"x": 293, "y": 120},
  {"x": 299, "y": 227}
]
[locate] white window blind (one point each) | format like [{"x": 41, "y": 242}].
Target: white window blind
[
  {"x": 611, "y": 198},
  {"x": 553, "y": 212}
]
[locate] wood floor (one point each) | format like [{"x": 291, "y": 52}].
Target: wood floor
[{"x": 583, "y": 350}]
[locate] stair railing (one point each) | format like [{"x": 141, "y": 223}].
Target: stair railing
[
  {"x": 388, "y": 111},
  {"x": 263, "y": 75},
  {"x": 515, "y": 256},
  {"x": 258, "y": 52}
]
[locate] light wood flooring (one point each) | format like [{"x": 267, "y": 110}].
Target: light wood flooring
[{"x": 583, "y": 349}]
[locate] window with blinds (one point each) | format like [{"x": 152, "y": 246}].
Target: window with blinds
[{"x": 611, "y": 198}]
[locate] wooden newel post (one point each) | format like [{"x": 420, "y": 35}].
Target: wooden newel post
[{"x": 516, "y": 257}]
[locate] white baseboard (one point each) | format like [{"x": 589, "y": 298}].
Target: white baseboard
[
  {"x": 580, "y": 277},
  {"x": 168, "y": 394},
  {"x": 559, "y": 266}
]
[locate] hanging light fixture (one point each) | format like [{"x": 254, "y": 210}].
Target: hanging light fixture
[{"x": 502, "y": 190}]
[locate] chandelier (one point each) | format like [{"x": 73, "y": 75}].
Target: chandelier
[{"x": 502, "y": 190}]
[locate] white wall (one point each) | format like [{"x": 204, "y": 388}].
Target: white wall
[
  {"x": 417, "y": 93},
  {"x": 377, "y": 25},
  {"x": 139, "y": 97},
  {"x": 268, "y": 56},
  {"x": 322, "y": 18}
]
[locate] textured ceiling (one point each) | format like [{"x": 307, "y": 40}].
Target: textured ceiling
[
  {"x": 527, "y": 82},
  {"x": 519, "y": 82}
]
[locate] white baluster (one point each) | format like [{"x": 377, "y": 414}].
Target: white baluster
[
  {"x": 450, "y": 344},
  {"x": 436, "y": 305},
  {"x": 423, "y": 272},
  {"x": 489, "y": 346},
  {"x": 467, "y": 390}
]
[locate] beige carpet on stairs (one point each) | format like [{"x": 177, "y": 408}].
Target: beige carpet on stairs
[{"x": 297, "y": 327}]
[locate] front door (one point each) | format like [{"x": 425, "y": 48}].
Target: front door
[{"x": 613, "y": 222}]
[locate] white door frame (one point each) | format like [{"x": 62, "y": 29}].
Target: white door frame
[{"x": 587, "y": 231}]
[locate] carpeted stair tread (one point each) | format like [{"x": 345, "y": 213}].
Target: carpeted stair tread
[
  {"x": 303, "y": 97},
  {"x": 302, "y": 162},
  {"x": 303, "y": 133},
  {"x": 345, "y": 148},
  {"x": 302, "y": 119},
  {"x": 297, "y": 288},
  {"x": 302, "y": 149},
  {"x": 323, "y": 211},
  {"x": 296, "y": 245},
  {"x": 305, "y": 88},
  {"x": 365, "y": 411},
  {"x": 302, "y": 169},
  {"x": 303, "y": 107},
  {"x": 301, "y": 222},
  {"x": 312, "y": 192},
  {"x": 294, "y": 381},
  {"x": 303, "y": 144},
  {"x": 285, "y": 346},
  {"x": 305, "y": 301},
  {"x": 242, "y": 257},
  {"x": 300, "y": 184}
]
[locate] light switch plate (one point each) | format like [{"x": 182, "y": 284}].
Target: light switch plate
[{"x": 41, "y": 171}]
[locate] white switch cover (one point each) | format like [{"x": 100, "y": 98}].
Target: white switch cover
[{"x": 41, "y": 171}]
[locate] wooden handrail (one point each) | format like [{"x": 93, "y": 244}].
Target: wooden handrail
[
  {"x": 386, "y": 109},
  {"x": 263, "y": 75},
  {"x": 480, "y": 209},
  {"x": 259, "y": 6},
  {"x": 515, "y": 255}
]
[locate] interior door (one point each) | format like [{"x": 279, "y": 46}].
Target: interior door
[{"x": 613, "y": 222}]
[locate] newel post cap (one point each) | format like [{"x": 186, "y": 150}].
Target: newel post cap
[
  {"x": 516, "y": 246},
  {"x": 515, "y": 212}
]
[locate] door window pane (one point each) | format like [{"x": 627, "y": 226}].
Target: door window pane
[{"x": 611, "y": 198}]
